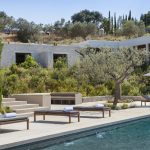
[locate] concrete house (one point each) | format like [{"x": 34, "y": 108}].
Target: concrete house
[{"x": 46, "y": 55}]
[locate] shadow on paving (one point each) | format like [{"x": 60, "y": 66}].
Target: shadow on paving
[
  {"x": 50, "y": 122},
  {"x": 142, "y": 107},
  {"x": 91, "y": 117},
  {"x": 3, "y": 131}
]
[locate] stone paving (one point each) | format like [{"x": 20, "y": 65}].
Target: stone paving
[{"x": 11, "y": 134}]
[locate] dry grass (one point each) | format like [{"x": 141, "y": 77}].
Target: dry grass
[
  {"x": 52, "y": 38},
  {"x": 8, "y": 37}
]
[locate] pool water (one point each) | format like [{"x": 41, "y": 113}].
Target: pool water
[
  {"x": 127, "y": 136},
  {"x": 130, "y": 137}
]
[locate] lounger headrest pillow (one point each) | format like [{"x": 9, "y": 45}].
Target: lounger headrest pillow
[
  {"x": 1, "y": 116},
  {"x": 69, "y": 108},
  {"x": 99, "y": 105},
  {"x": 10, "y": 115}
]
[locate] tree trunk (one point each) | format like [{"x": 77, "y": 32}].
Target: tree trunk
[
  {"x": 117, "y": 95},
  {"x": 1, "y": 94},
  {"x": 1, "y": 98}
]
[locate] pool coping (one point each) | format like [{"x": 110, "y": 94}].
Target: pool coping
[{"x": 67, "y": 133}]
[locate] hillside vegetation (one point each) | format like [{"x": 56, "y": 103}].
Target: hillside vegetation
[{"x": 84, "y": 25}]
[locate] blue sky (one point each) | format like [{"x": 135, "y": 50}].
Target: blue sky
[{"x": 48, "y": 11}]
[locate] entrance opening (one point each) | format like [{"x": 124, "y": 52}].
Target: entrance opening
[
  {"x": 141, "y": 46},
  {"x": 21, "y": 57},
  {"x": 62, "y": 57}
]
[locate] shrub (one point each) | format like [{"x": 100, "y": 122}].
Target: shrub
[
  {"x": 29, "y": 77},
  {"x": 126, "y": 101},
  {"x": 2, "y": 110},
  {"x": 108, "y": 105},
  {"x": 29, "y": 63},
  {"x": 121, "y": 101},
  {"x": 126, "y": 87},
  {"x": 8, "y": 109},
  {"x": 102, "y": 90},
  {"x": 124, "y": 106},
  {"x": 112, "y": 106},
  {"x": 134, "y": 91},
  {"x": 115, "y": 107}
]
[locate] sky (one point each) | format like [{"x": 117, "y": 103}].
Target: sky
[{"x": 49, "y": 11}]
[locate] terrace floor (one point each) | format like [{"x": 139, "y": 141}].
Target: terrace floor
[{"x": 58, "y": 125}]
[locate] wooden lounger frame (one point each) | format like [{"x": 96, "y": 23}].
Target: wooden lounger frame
[
  {"x": 57, "y": 113},
  {"x": 144, "y": 101},
  {"x": 15, "y": 120},
  {"x": 102, "y": 109}
]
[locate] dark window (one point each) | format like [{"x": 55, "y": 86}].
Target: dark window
[
  {"x": 21, "y": 57},
  {"x": 149, "y": 47},
  {"x": 141, "y": 46},
  {"x": 60, "y": 56},
  {"x": 63, "y": 102}
]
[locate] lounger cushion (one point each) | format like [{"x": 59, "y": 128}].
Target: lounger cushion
[
  {"x": 99, "y": 105},
  {"x": 1, "y": 116},
  {"x": 69, "y": 108},
  {"x": 55, "y": 111},
  {"x": 12, "y": 119},
  {"x": 10, "y": 115}
]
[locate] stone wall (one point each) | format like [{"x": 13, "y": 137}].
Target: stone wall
[
  {"x": 105, "y": 98},
  {"x": 96, "y": 98},
  {"x": 43, "y": 99}
]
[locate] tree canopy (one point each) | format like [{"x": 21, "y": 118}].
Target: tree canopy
[
  {"x": 87, "y": 16},
  {"x": 130, "y": 28},
  {"x": 84, "y": 23},
  {"x": 146, "y": 18},
  {"x": 115, "y": 64},
  {"x": 28, "y": 32},
  {"x": 5, "y": 20},
  {"x": 79, "y": 29}
]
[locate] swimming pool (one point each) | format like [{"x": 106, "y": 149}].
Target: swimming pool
[{"x": 133, "y": 135}]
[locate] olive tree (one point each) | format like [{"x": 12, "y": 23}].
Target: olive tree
[
  {"x": 79, "y": 29},
  {"x": 115, "y": 64},
  {"x": 28, "y": 31},
  {"x": 130, "y": 29}
]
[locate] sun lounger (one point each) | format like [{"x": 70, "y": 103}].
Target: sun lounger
[
  {"x": 102, "y": 109},
  {"x": 143, "y": 99},
  {"x": 4, "y": 121},
  {"x": 57, "y": 113}
]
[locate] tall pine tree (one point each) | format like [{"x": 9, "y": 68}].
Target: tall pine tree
[
  {"x": 126, "y": 18},
  {"x": 115, "y": 24},
  {"x": 112, "y": 25},
  {"x": 129, "y": 17},
  {"x": 109, "y": 17}
]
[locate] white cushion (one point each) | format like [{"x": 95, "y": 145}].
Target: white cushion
[
  {"x": 10, "y": 115},
  {"x": 1, "y": 116},
  {"x": 99, "y": 105},
  {"x": 69, "y": 108}
]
